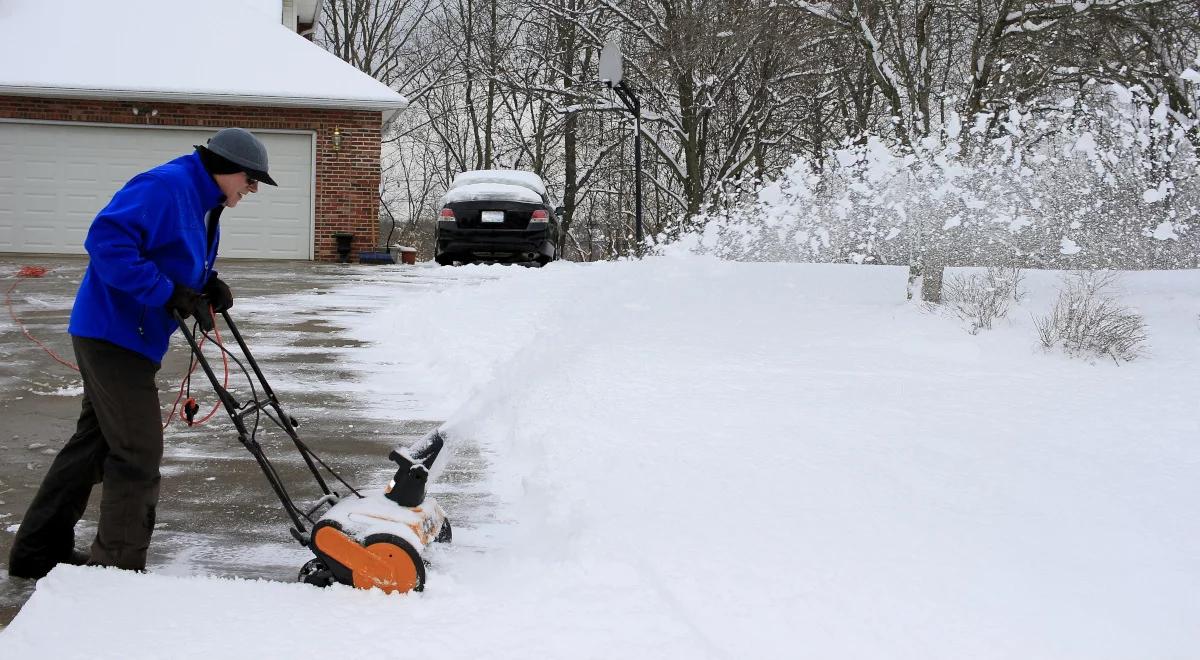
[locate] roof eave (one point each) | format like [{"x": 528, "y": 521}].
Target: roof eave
[{"x": 389, "y": 107}]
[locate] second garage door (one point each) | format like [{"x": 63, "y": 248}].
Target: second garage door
[{"x": 55, "y": 177}]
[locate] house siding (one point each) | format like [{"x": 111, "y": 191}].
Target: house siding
[{"x": 346, "y": 195}]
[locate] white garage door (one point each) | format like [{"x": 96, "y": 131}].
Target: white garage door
[{"x": 54, "y": 178}]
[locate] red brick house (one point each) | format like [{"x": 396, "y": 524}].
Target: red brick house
[{"x": 91, "y": 93}]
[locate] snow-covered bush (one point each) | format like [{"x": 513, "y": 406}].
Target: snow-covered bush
[
  {"x": 981, "y": 298},
  {"x": 1087, "y": 320},
  {"x": 1111, "y": 186}
]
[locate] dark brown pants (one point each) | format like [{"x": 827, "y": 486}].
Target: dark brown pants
[{"x": 118, "y": 442}]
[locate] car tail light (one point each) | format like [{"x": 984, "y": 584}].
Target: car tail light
[
  {"x": 446, "y": 214},
  {"x": 540, "y": 215}
]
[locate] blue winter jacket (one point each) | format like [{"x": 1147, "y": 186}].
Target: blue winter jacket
[{"x": 150, "y": 237}]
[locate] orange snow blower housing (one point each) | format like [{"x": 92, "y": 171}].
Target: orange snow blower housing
[
  {"x": 365, "y": 541},
  {"x": 376, "y": 541}
]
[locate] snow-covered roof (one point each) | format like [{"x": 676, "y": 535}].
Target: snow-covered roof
[
  {"x": 509, "y": 177},
  {"x": 214, "y": 51},
  {"x": 499, "y": 192}
]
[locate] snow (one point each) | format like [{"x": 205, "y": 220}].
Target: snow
[
  {"x": 971, "y": 199},
  {"x": 476, "y": 192},
  {"x": 1123, "y": 94},
  {"x": 690, "y": 458},
  {"x": 1165, "y": 231},
  {"x": 1086, "y": 144},
  {"x": 507, "y": 177},
  {"x": 1158, "y": 194},
  {"x": 220, "y": 50},
  {"x": 374, "y": 513}
]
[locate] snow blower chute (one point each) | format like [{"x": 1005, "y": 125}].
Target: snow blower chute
[{"x": 362, "y": 540}]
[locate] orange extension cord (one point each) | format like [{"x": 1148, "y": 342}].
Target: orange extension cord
[{"x": 27, "y": 272}]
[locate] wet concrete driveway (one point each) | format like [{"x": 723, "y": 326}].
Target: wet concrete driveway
[{"x": 217, "y": 514}]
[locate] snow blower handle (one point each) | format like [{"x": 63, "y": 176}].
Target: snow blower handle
[
  {"x": 264, "y": 400},
  {"x": 230, "y": 404}
]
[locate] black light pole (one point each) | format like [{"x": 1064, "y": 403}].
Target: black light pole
[
  {"x": 611, "y": 74},
  {"x": 634, "y": 104}
]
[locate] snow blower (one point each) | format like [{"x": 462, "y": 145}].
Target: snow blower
[{"x": 362, "y": 540}]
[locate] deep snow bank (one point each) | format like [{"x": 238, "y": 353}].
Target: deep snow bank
[{"x": 689, "y": 458}]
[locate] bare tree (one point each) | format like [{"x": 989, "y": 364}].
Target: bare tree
[{"x": 731, "y": 89}]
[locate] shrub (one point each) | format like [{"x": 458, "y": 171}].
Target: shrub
[
  {"x": 1088, "y": 321},
  {"x": 1114, "y": 188},
  {"x": 981, "y": 298}
]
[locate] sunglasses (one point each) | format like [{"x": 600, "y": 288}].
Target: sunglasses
[{"x": 250, "y": 181}]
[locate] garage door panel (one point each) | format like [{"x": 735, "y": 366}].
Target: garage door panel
[
  {"x": 40, "y": 203},
  {"x": 279, "y": 251},
  {"x": 40, "y": 237},
  {"x": 79, "y": 173},
  {"x": 8, "y": 232},
  {"x": 289, "y": 208},
  {"x": 54, "y": 178},
  {"x": 78, "y": 212},
  {"x": 41, "y": 171}
]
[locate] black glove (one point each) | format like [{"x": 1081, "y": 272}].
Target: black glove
[
  {"x": 189, "y": 303},
  {"x": 218, "y": 294}
]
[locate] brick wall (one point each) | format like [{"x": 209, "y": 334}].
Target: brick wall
[{"x": 347, "y": 179}]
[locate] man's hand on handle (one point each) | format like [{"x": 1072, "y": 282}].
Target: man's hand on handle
[
  {"x": 218, "y": 293},
  {"x": 189, "y": 303}
]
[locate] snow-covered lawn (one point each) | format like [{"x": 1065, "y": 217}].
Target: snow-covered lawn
[{"x": 689, "y": 458}]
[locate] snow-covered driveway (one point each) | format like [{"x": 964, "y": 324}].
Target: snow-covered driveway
[
  {"x": 217, "y": 515},
  {"x": 685, "y": 458}
]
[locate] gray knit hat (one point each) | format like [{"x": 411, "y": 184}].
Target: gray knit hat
[{"x": 240, "y": 147}]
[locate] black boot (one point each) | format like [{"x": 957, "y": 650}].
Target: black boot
[
  {"x": 78, "y": 558},
  {"x": 35, "y": 569}
]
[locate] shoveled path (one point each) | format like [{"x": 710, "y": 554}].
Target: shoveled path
[{"x": 217, "y": 514}]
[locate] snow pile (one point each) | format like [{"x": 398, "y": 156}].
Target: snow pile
[
  {"x": 693, "y": 458},
  {"x": 1113, "y": 189}
]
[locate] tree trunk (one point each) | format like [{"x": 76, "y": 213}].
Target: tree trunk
[
  {"x": 690, "y": 115},
  {"x": 931, "y": 283}
]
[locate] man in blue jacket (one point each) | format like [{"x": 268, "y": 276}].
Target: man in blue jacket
[{"x": 151, "y": 251}]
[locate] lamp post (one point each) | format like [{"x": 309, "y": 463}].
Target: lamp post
[{"x": 611, "y": 74}]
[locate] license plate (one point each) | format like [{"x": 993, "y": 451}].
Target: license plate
[{"x": 493, "y": 216}]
